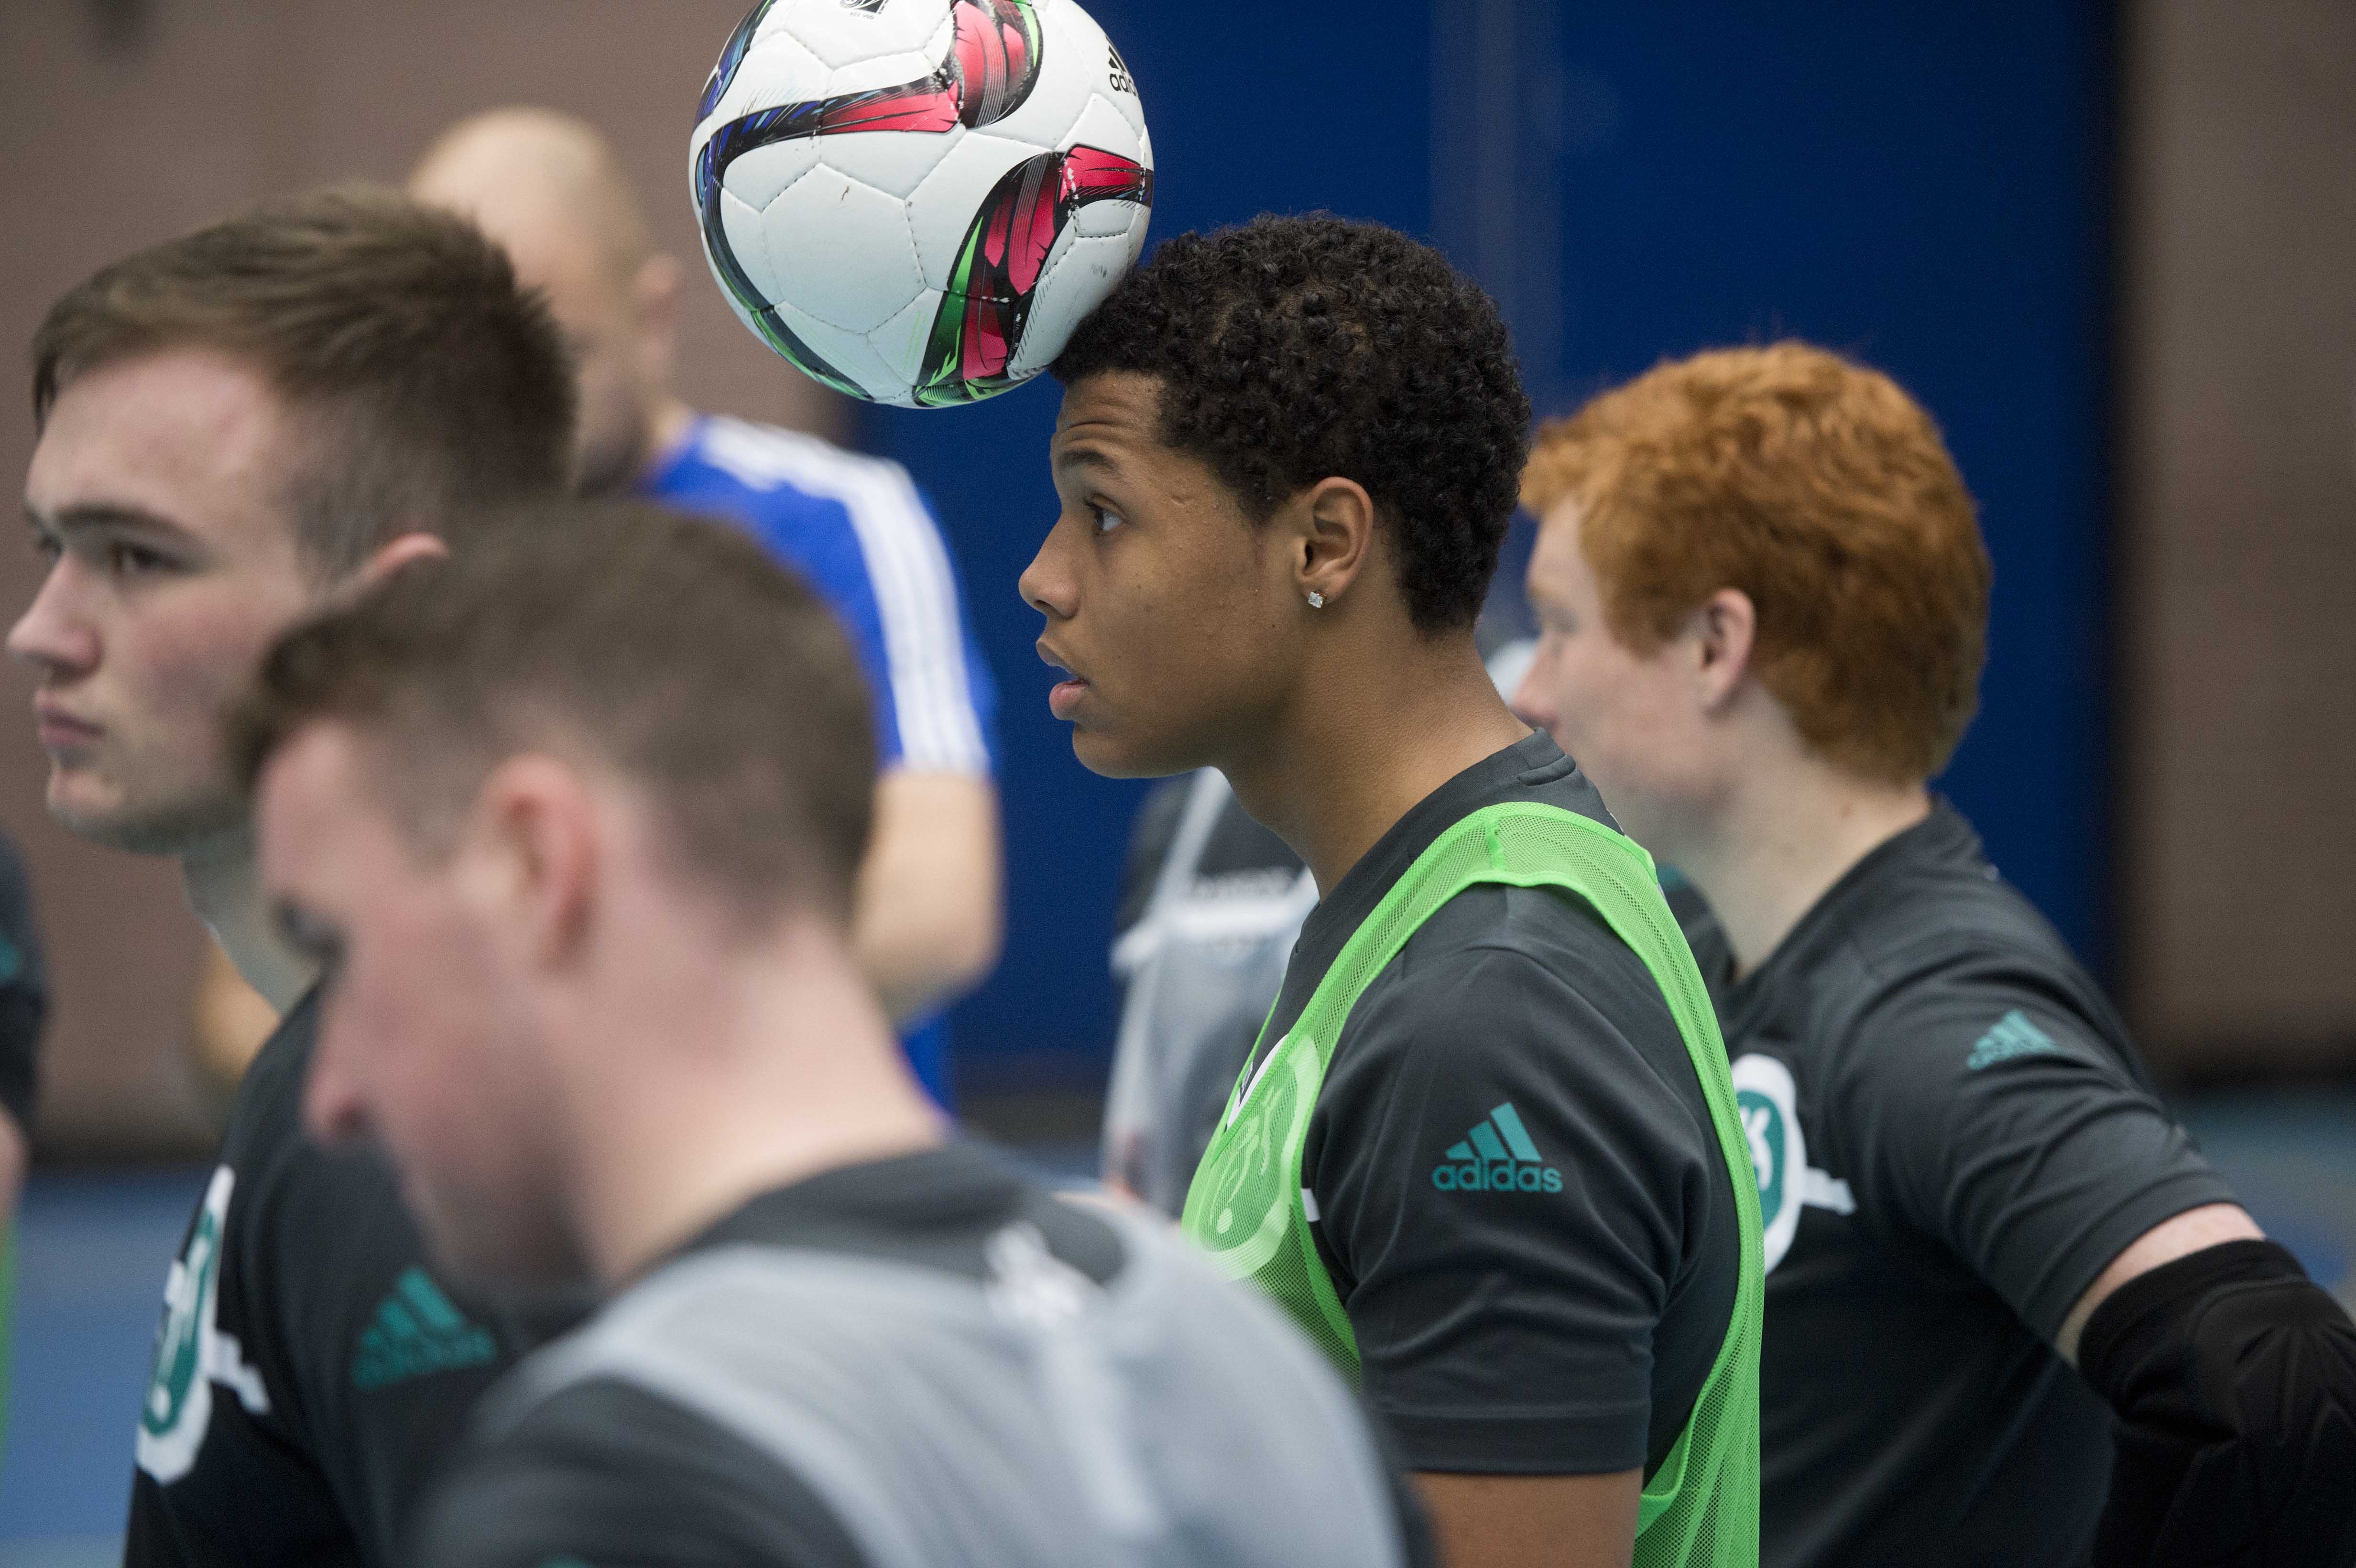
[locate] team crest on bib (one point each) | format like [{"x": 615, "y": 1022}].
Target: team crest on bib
[
  {"x": 1770, "y": 1104},
  {"x": 191, "y": 1352}
]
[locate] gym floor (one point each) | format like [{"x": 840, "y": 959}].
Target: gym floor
[{"x": 92, "y": 1247}]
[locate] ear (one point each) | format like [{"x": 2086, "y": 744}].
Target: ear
[
  {"x": 1724, "y": 630},
  {"x": 654, "y": 298},
  {"x": 394, "y": 554},
  {"x": 1333, "y": 531},
  {"x": 534, "y": 856}
]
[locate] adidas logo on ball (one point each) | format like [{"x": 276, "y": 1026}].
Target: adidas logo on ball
[{"x": 1497, "y": 1156}]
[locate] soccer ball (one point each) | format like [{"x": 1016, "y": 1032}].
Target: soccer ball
[{"x": 916, "y": 201}]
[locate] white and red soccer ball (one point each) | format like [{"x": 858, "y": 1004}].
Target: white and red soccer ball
[{"x": 916, "y": 201}]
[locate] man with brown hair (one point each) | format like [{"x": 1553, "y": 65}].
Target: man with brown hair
[
  {"x": 584, "y": 868},
  {"x": 234, "y": 427},
  {"x": 1764, "y": 600}
]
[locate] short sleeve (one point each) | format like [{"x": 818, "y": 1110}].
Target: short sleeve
[
  {"x": 604, "y": 1475},
  {"x": 1503, "y": 1185},
  {"x": 1983, "y": 1109},
  {"x": 936, "y": 706},
  {"x": 24, "y": 992}
]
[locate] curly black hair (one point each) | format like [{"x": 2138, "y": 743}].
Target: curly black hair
[{"x": 1293, "y": 348}]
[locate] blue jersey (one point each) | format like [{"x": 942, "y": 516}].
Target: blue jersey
[{"x": 859, "y": 532}]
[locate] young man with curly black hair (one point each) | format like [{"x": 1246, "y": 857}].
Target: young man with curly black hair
[{"x": 1484, "y": 1149}]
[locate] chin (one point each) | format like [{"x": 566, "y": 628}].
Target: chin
[
  {"x": 92, "y": 810},
  {"x": 1107, "y": 758}
]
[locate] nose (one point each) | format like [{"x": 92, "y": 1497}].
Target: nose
[
  {"x": 53, "y": 635},
  {"x": 1047, "y": 584},
  {"x": 334, "y": 1110}
]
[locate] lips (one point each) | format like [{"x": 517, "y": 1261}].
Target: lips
[
  {"x": 59, "y": 730},
  {"x": 1064, "y": 697}
]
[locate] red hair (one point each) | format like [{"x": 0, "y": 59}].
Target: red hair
[{"x": 1823, "y": 493}]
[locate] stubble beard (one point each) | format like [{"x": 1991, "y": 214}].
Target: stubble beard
[{"x": 178, "y": 826}]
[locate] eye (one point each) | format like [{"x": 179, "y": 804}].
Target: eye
[
  {"x": 311, "y": 936},
  {"x": 47, "y": 547},
  {"x": 125, "y": 560},
  {"x": 1106, "y": 521}
]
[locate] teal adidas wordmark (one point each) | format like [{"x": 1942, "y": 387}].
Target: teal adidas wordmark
[
  {"x": 417, "y": 1331},
  {"x": 1497, "y": 1155},
  {"x": 2012, "y": 1036}
]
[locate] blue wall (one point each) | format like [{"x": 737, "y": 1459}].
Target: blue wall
[{"x": 1921, "y": 187}]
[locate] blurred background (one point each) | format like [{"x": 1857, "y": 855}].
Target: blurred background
[{"x": 2111, "y": 247}]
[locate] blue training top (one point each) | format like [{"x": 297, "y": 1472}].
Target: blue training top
[{"x": 860, "y": 532}]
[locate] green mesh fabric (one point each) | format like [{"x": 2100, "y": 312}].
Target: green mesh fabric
[{"x": 1245, "y": 1208}]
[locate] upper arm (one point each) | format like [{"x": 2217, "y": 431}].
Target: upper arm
[
  {"x": 1533, "y": 1521},
  {"x": 15, "y": 1153},
  {"x": 1504, "y": 1329},
  {"x": 2180, "y": 1235},
  {"x": 1984, "y": 1110},
  {"x": 945, "y": 823},
  {"x": 386, "y": 1358}
]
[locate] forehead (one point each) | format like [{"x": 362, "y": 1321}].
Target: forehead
[
  {"x": 195, "y": 435},
  {"x": 1559, "y": 562},
  {"x": 1119, "y": 410}
]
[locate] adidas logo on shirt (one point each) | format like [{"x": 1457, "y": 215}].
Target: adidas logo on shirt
[
  {"x": 1497, "y": 1156},
  {"x": 2013, "y": 1036},
  {"x": 417, "y": 1331}
]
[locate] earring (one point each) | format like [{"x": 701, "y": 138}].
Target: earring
[{"x": 1316, "y": 599}]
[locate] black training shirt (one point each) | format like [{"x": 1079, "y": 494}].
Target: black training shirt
[
  {"x": 312, "y": 1369},
  {"x": 24, "y": 992},
  {"x": 1953, "y": 1138},
  {"x": 1562, "y": 1329}
]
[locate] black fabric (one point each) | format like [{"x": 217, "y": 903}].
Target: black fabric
[
  {"x": 612, "y": 1476},
  {"x": 2235, "y": 1380},
  {"x": 608, "y": 1476},
  {"x": 1542, "y": 1332},
  {"x": 1239, "y": 857},
  {"x": 24, "y": 992},
  {"x": 1953, "y": 1138},
  {"x": 311, "y": 1248},
  {"x": 936, "y": 1209}
]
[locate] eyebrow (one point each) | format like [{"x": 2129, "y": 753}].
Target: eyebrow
[
  {"x": 1084, "y": 456},
  {"x": 91, "y": 514}
]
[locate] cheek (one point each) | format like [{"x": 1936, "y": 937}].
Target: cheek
[{"x": 183, "y": 667}]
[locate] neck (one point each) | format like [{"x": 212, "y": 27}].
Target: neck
[
  {"x": 733, "y": 1079},
  {"x": 666, "y": 428},
  {"x": 1352, "y": 755},
  {"x": 1781, "y": 841},
  {"x": 224, "y": 887}
]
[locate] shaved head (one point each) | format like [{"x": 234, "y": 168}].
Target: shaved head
[
  {"x": 548, "y": 188},
  {"x": 523, "y": 168}
]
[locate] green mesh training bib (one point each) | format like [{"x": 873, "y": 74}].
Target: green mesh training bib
[{"x": 1244, "y": 1209}]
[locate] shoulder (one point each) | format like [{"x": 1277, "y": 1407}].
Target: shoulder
[
  {"x": 1521, "y": 998},
  {"x": 1497, "y": 965},
  {"x": 792, "y": 465},
  {"x": 1951, "y": 911},
  {"x": 605, "y": 1471}
]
